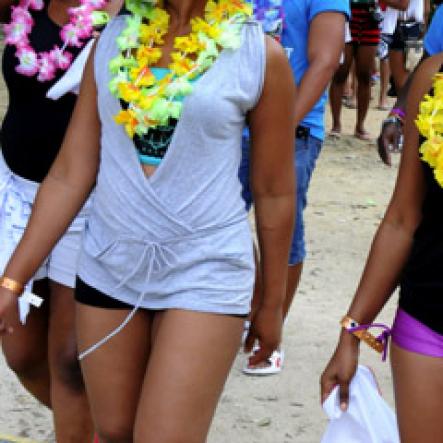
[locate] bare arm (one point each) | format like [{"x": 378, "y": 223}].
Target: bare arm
[
  {"x": 402, "y": 96},
  {"x": 392, "y": 242},
  {"x": 65, "y": 189},
  {"x": 392, "y": 131},
  {"x": 325, "y": 45},
  {"x": 272, "y": 129}
]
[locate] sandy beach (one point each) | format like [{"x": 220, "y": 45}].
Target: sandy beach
[{"x": 349, "y": 192}]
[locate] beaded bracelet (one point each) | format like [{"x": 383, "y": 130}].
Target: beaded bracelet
[
  {"x": 11, "y": 285},
  {"x": 398, "y": 113},
  {"x": 351, "y": 326}
]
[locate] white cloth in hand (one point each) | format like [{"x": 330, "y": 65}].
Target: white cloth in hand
[{"x": 368, "y": 419}]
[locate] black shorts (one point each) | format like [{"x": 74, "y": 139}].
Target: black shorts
[
  {"x": 404, "y": 32},
  {"x": 89, "y": 296}
]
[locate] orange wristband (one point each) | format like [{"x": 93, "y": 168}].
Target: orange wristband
[
  {"x": 12, "y": 285},
  {"x": 349, "y": 324}
]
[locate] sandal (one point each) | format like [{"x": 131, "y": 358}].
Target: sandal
[
  {"x": 365, "y": 136},
  {"x": 335, "y": 134},
  {"x": 274, "y": 365}
]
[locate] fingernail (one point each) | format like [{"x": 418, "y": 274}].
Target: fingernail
[{"x": 343, "y": 406}]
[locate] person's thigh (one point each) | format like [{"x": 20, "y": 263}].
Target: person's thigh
[
  {"x": 114, "y": 372},
  {"x": 72, "y": 424},
  {"x": 62, "y": 338},
  {"x": 191, "y": 356},
  {"x": 341, "y": 75},
  {"x": 418, "y": 384},
  {"x": 364, "y": 62}
]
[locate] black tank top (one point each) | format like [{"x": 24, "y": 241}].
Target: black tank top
[
  {"x": 34, "y": 126},
  {"x": 421, "y": 287}
]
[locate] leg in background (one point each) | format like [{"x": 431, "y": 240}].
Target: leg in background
[
  {"x": 364, "y": 62},
  {"x": 337, "y": 87},
  {"x": 418, "y": 384},
  {"x": 192, "y": 354},
  {"x": 384, "y": 84},
  {"x": 72, "y": 417},
  {"x": 114, "y": 372},
  {"x": 26, "y": 350},
  {"x": 398, "y": 69}
]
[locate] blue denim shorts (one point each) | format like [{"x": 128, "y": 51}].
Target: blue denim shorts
[{"x": 305, "y": 156}]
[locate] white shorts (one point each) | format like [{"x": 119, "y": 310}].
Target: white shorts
[{"x": 16, "y": 199}]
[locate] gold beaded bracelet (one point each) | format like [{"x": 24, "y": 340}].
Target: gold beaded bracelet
[
  {"x": 12, "y": 285},
  {"x": 350, "y": 324}
]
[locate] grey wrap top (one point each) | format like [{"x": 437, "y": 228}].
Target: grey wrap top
[{"x": 180, "y": 238}]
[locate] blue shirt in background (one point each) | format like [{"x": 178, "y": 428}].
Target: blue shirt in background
[
  {"x": 433, "y": 42},
  {"x": 298, "y": 17}
]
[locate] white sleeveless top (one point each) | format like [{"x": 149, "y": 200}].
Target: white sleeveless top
[{"x": 180, "y": 238}]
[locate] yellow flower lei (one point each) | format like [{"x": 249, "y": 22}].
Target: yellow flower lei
[
  {"x": 430, "y": 125},
  {"x": 152, "y": 102}
]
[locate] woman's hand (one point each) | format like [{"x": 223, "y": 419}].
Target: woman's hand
[
  {"x": 7, "y": 300},
  {"x": 266, "y": 327},
  {"x": 341, "y": 369}
]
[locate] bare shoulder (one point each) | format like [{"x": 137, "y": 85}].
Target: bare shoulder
[
  {"x": 275, "y": 54},
  {"x": 279, "y": 74}
]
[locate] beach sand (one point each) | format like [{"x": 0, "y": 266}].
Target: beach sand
[{"x": 348, "y": 196}]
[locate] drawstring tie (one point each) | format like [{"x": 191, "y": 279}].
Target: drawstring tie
[{"x": 156, "y": 255}]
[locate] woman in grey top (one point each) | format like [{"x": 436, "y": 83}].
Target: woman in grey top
[{"x": 166, "y": 271}]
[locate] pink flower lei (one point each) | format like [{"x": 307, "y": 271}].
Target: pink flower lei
[{"x": 46, "y": 64}]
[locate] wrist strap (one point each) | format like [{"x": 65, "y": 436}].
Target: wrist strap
[
  {"x": 398, "y": 113},
  {"x": 12, "y": 285},
  {"x": 379, "y": 343}
]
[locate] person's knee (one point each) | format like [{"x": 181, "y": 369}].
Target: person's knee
[
  {"x": 25, "y": 363},
  {"x": 65, "y": 368},
  {"x": 363, "y": 76},
  {"x": 145, "y": 435},
  {"x": 115, "y": 433},
  {"x": 340, "y": 78}
]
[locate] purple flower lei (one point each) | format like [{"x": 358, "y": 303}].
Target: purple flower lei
[{"x": 270, "y": 14}]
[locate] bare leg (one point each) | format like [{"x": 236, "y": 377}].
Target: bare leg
[
  {"x": 418, "y": 384},
  {"x": 337, "y": 87},
  {"x": 397, "y": 65},
  {"x": 384, "y": 84},
  {"x": 113, "y": 373},
  {"x": 72, "y": 417},
  {"x": 26, "y": 350},
  {"x": 191, "y": 356},
  {"x": 364, "y": 62}
]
